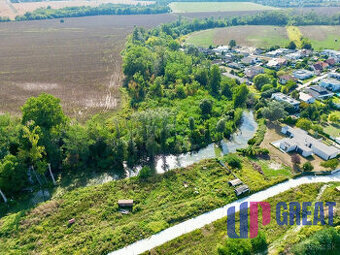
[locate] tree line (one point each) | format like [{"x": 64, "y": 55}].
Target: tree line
[{"x": 103, "y": 9}]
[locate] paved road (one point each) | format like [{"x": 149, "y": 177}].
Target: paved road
[
  {"x": 209, "y": 217},
  {"x": 302, "y": 86}
]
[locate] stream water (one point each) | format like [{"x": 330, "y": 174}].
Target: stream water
[{"x": 238, "y": 140}]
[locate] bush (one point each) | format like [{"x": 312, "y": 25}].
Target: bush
[
  {"x": 233, "y": 161},
  {"x": 259, "y": 243},
  {"x": 332, "y": 163},
  {"x": 307, "y": 167},
  {"x": 145, "y": 173}
]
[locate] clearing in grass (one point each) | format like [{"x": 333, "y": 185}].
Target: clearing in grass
[{"x": 184, "y": 7}]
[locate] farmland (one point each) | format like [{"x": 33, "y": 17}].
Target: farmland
[
  {"x": 78, "y": 61},
  {"x": 266, "y": 36},
  {"x": 184, "y": 7},
  {"x": 12, "y": 9}
]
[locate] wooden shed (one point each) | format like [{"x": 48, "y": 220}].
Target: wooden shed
[
  {"x": 125, "y": 203},
  {"x": 235, "y": 182},
  {"x": 241, "y": 190}
]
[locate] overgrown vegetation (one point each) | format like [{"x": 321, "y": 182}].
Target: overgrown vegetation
[
  {"x": 159, "y": 202},
  {"x": 280, "y": 239}
]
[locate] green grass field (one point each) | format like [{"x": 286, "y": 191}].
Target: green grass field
[
  {"x": 322, "y": 37},
  {"x": 184, "y": 7},
  {"x": 256, "y": 36}
]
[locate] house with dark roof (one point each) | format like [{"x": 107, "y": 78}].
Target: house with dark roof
[
  {"x": 286, "y": 78},
  {"x": 318, "y": 92}
]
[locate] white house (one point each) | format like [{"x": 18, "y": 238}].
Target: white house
[
  {"x": 303, "y": 74},
  {"x": 306, "y": 98},
  {"x": 284, "y": 98},
  {"x": 298, "y": 140}
]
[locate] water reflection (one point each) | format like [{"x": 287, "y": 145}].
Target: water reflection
[{"x": 237, "y": 141}]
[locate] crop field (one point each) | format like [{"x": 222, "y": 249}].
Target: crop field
[
  {"x": 78, "y": 61},
  {"x": 266, "y": 36},
  {"x": 183, "y": 7},
  {"x": 255, "y": 36},
  {"x": 11, "y": 10}
]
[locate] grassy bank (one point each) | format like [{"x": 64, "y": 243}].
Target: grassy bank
[
  {"x": 206, "y": 240},
  {"x": 161, "y": 201}
]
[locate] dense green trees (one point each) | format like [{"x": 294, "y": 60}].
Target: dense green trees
[
  {"x": 79, "y": 11},
  {"x": 274, "y": 111}
]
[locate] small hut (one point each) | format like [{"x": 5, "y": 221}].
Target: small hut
[
  {"x": 235, "y": 182},
  {"x": 241, "y": 190},
  {"x": 125, "y": 203}
]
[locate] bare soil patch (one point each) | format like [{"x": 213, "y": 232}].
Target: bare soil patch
[{"x": 78, "y": 61}]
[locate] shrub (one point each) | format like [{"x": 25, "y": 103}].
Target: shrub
[
  {"x": 145, "y": 173},
  {"x": 307, "y": 167},
  {"x": 233, "y": 161},
  {"x": 332, "y": 163}
]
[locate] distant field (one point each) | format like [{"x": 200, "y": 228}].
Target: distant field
[
  {"x": 255, "y": 36},
  {"x": 184, "y": 7},
  {"x": 323, "y": 36},
  {"x": 266, "y": 36},
  {"x": 78, "y": 61},
  {"x": 13, "y": 9}
]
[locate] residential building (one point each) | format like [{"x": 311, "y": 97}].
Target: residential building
[
  {"x": 303, "y": 74},
  {"x": 330, "y": 61},
  {"x": 334, "y": 75},
  {"x": 251, "y": 72},
  {"x": 320, "y": 66},
  {"x": 304, "y": 97},
  {"x": 250, "y": 60},
  {"x": 331, "y": 84},
  {"x": 276, "y": 63},
  {"x": 318, "y": 92},
  {"x": 284, "y": 98},
  {"x": 295, "y": 55},
  {"x": 278, "y": 52},
  {"x": 306, "y": 145},
  {"x": 332, "y": 54},
  {"x": 285, "y": 78}
]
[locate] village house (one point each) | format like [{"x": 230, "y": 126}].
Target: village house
[
  {"x": 304, "y": 97},
  {"x": 286, "y": 78},
  {"x": 250, "y": 60},
  {"x": 276, "y": 63},
  {"x": 320, "y": 66},
  {"x": 330, "y": 61},
  {"x": 303, "y": 74},
  {"x": 318, "y": 92},
  {"x": 331, "y": 84},
  {"x": 298, "y": 140},
  {"x": 251, "y": 72},
  {"x": 287, "y": 99},
  {"x": 332, "y": 54}
]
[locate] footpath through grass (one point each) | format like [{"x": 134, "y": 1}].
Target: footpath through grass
[
  {"x": 160, "y": 202},
  {"x": 206, "y": 239}
]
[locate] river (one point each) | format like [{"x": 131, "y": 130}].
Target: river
[{"x": 238, "y": 140}]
